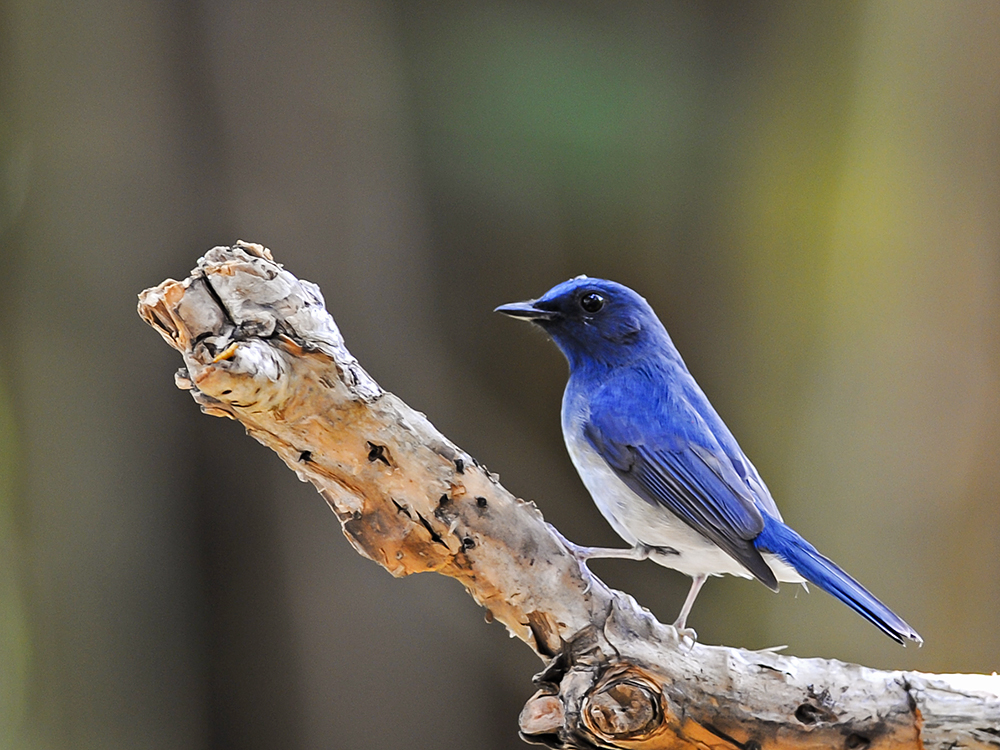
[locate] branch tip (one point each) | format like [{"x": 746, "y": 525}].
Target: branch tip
[{"x": 259, "y": 347}]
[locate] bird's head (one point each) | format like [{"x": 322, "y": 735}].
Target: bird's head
[{"x": 594, "y": 321}]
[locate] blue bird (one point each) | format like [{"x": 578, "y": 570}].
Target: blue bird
[{"x": 661, "y": 465}]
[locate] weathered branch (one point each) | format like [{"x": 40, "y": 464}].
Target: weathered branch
[{"x": 260, "y": 348}]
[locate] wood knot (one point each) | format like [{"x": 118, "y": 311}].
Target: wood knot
[
  {"x": 810, "y": 713},
  {"x": 542, "y": 714},
  {"x": 377, "y": 453},
  {"x": 624, "y": 708}
]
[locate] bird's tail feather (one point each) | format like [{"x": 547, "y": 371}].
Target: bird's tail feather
[{"x": 784, "y": 542}]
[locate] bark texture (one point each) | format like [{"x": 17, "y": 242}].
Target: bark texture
[{"x": 259, "y": 347}]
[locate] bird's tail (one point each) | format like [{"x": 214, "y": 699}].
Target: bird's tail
[{"x": 784, "y": 542}]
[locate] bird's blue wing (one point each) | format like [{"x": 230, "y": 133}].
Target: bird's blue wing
[{"x": 670, "y": 459}]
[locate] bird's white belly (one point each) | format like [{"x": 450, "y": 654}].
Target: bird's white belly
[{"x": 638, "y": 521}]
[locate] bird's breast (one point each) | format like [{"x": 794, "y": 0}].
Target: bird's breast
[{"x": 636, "y": 520}]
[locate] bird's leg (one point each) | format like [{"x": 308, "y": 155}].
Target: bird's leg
[
  {"x": 681, "y": 622},
  {"x": 638, "y": 552}
]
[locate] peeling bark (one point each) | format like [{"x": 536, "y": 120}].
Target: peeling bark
[{"x": 259, "y": 347}]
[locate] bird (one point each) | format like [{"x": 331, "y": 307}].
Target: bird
[{"x": 659, "y": 462}]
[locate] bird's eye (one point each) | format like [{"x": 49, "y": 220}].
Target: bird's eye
[{"x": 592, "y": 302}]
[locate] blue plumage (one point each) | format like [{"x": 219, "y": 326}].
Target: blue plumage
[{"x": 658, "y": 460}]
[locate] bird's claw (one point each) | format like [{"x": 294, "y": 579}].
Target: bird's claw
[
  {"x": 574, "y": 549},
  {"x": 686, "y": 634},
  {"x": 578, "y": 554}
]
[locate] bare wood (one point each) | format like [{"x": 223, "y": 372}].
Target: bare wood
[{"x": 259, "y": 347}]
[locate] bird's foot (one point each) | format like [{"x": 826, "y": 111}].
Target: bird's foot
[
  {"x": 685, "y": 633},
  {"x": 680, "y": 624},
  {"x": 574, "y": 549},
  {"x": 577, "y": 551}
]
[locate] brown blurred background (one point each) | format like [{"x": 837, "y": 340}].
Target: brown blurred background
[{"x": 808, "y": 193}]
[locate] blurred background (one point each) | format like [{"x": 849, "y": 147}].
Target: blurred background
[{"x": 807, "y": 193}]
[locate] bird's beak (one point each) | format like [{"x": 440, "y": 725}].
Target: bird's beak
[{"x": 525, "y": 311}]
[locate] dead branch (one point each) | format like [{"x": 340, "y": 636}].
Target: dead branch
[{"x": 259, "y": 347}]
